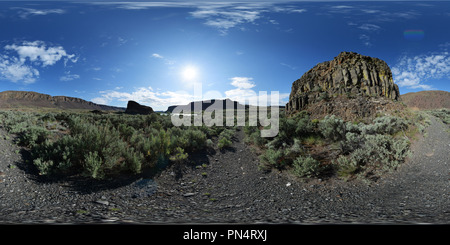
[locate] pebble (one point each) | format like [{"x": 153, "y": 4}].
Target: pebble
[{"x": 103, "y": 202}]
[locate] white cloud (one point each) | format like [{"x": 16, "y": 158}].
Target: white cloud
[
  {"x": 100, "y": 100},
  {"x": 13, "y": 70},
  {"x": 242, "y": 82},
  {"x": 244, "y": 93},
  {"x": 413, "y": 72},
  {"x": 147, "y": 96},
  {"x": 38, "y": 51},
  {"x": 161, "y": 100},
  {"x": 21, "y": 61}
]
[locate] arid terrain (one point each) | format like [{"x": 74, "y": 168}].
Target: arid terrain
[
  {"x": 227, "y": 187},
  {"x": 426, "y": 100}
]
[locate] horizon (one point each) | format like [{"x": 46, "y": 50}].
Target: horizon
[{"x": 155, "y": 52}]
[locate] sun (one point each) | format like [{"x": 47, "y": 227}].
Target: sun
[{"x": 190, "y": 73}]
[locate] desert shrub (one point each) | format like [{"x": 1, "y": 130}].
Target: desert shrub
[
  {"x": 92, "y": 165},
  {"x": 274, "y": 158},
  {"x": 287, "y": 129},
  {"x": 304, "y": 125},
  {"x": 385, "y": 125},
  {"x": 179, "y": 155},
  {"x": 352, "y": 142},
  {"x": 306, "y": 166},
  {"x": 346, "y": 166},
  {"x": 332, "y": 127},
  {"x": 443, "y": 114},
  {"x": 209, "y": 143},
  {"x": 378, "y": 153},
  {"x": 224, "y": 143},
  {"x": 196, "y": 139},
  {"x": 225, "y": 138},
  {"x": 44, "y": 167},
  {"x": 32, "y": 136}
]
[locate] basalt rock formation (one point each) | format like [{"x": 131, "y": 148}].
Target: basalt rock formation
[
  {"x": 351, "y": 85},
  {"x": 28, "y": 99},
  {"x": 135, "y": 108}
]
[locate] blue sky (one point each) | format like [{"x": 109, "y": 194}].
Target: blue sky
[{"x": 154, "y": 52}]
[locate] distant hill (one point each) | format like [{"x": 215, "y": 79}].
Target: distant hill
[
  {"x": 216, "y": 104},
  {"x": 427, "y": 100},
  {"x": 28, "y": 99}
]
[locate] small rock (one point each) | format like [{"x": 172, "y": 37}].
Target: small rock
[
  {"x": 288, "y": 184},
  {"x": 103, "y": 202},
  {"x": 188, "y": 194}
]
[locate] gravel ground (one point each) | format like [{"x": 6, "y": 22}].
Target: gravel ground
[{"x": 227, "y": 187}]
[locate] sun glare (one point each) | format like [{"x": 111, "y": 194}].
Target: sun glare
[{"x": 190, "y": 73}]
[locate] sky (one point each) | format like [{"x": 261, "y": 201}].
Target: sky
[{"x": 155, "y": 53}]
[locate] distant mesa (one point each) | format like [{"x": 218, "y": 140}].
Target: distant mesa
[
  {"x": 33, "y": 100},
  {"x": 214, "y": 104},
  {"x": 350, "y": 86},
  {"x": 427, "y": 100},
  {"x": 135, "y": 108}
]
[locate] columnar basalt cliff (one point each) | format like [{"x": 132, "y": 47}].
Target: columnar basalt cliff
[{"x": 357, "y": 78}]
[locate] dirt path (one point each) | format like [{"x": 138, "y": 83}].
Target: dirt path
[{"x": 227, "y": 187}]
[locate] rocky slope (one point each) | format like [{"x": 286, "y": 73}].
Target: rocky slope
[
  {"x": 28, "y": 99},
  {"x": 361, "y": 82},
  {"x": 427, "y": 100}
]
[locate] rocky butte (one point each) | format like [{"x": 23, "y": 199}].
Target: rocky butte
[
  {"x": 350, "y": 86},
  {"x": 135, "y": 108}
]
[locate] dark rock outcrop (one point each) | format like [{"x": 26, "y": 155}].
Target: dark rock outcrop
[
  {"x": 28, "y": 99},
  {"x": 348, "y": 75},
  {"x": 135, "y": 108}
]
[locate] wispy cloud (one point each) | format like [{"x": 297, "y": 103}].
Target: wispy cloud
[
  {"x": 69, "y": 77},
  {"x": 369, "y": 27},
  {"x": 158, "y": 56},
  {"x": 224, "y": 18},
  {"x": 24, "y": 13},
  {"x": 289, "y": 66},
  {"x": 415, "y": 72},
  {"x": 167, "y": 61},
  {"x": 365, "y": 39}
]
